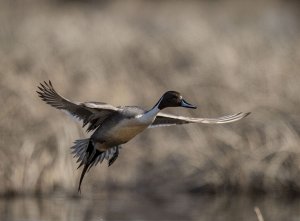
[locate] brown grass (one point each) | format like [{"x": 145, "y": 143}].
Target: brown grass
[{"x": 224, "y": 56}]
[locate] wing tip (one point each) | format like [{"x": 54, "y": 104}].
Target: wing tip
[
  {"x": 46, "y": 90},
  {"x": 238, "y": 116},
  {"x": 43, "y": 87},
  {"x": 245, "y": 114}
]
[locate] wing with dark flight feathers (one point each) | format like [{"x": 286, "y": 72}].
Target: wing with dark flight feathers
[
  {"x": 91, "y": 113},
  {"x": 163, "y": 120}
]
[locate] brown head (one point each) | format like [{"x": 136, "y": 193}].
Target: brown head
[{"x": 173, "y": 99}]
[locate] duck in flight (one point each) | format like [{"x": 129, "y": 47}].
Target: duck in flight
[{"x": 114, "y": 126}]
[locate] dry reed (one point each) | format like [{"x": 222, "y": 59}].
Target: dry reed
[{"x": 224, "y": 56}]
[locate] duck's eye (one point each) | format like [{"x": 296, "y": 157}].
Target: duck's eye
[{"x": 174, "y": 98}]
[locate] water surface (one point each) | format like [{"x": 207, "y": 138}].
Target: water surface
[{"x": 136, "y": 207}]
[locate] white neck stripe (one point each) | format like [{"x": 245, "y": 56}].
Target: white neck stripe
[{"x": 158, "y": 103}]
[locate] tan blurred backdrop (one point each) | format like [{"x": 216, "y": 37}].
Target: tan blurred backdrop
[{"x": 223, "y": 56}]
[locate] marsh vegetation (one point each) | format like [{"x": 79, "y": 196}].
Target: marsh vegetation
[{"x": 224, "y": 56}]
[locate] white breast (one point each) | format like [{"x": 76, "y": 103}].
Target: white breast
[
  {"x": 125, "y": 130},
  {"x": 148, "y": 117}
]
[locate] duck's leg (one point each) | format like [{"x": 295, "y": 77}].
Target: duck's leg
[{"x": 114, "y": 157}]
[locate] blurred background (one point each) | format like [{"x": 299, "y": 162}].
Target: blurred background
[{"x": 225, "y": 56}]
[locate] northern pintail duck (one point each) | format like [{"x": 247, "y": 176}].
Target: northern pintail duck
[{"x": 114, "y": 126}]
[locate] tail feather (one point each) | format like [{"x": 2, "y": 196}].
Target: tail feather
[
  {"x": 88, "y": 156},
  {"x": 88, "y": 165},
  {"x": 80, "y": 147},
  {"x": 81, "y": 176}
]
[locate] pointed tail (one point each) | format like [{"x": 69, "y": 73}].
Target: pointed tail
[{"x": 88, "y": 156}]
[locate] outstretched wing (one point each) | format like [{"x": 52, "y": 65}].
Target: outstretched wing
[
  {"x": 163, "y": 120},
  {"x": 92, "y": 113}
]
